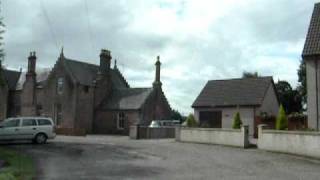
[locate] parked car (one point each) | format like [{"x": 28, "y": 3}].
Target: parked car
[
  {"x": 37, "y": 129},
  {"x": 164, "y": 123}
]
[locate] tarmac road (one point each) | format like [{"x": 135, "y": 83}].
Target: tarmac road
[{"x": 117, "y": 157}]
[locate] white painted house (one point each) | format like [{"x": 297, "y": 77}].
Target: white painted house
[
  {"x": 219, "y": 100},
  {"x": 311, "y": 55}
]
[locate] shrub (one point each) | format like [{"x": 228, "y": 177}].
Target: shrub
[
  {"x": 237, "y": 121},
  {"x": 191, "y": 122},
  {"x": 282, "y": 121}
]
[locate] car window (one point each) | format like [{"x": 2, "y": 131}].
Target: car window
[
  {"x": 29, "y": 122},
  {"x": 11, "y": 123},
  {"x": 44, "y": 122}
]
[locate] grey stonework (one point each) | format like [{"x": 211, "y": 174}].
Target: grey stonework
[{"x": 91, "y": 97}]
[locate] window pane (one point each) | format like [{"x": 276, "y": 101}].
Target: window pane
[
  {"x": 29, "y": 122},
  {"x": 44, "y": 122},
  {"x": 11, "y": 123}
]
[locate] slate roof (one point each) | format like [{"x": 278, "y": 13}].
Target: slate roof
[
  {"x": 127, "y": 98},
  {"x": 86, "y": 73},
  {"x": 312, "y": 43},
  {"x": 12, "y": 78},
  {"x": 233, "y": 92}
]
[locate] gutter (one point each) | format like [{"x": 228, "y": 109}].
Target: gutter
[{"x": 317, "y": 98}]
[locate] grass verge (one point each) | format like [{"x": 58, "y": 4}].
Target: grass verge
[{"x": 20, "y": 166}]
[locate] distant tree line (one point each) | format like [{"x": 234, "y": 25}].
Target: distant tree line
[{"x": 293, "y": 100}]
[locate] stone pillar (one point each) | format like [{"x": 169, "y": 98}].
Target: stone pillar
[
  {"x": 245, "y": 131},
  {"x": 178, "y": 133},
  {"x": 133, "y": 132}
]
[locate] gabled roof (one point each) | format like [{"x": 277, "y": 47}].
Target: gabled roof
[
  {"x": 233, "y": 92},
  {"x": 12, "y": 78},
  {"x": 127, "y": 99},
  {"x": 312, "y": 43},
  {"x": 85, "y": 73}
]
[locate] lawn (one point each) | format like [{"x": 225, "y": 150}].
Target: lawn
[{"x": 20, "y": 166}]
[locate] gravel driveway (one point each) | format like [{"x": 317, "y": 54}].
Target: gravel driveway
[{"x": 117, "y": 157}]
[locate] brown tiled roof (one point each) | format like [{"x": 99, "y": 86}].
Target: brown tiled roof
[
  {"x": 312, "y": 44},
  {"x": 12, "y": 78},
  {"x": 233, "y": 92},
  {"x": 86, "y": 73}
]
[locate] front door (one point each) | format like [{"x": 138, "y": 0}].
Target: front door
[
  {"x": 28, "y": 128},
  {"x": 210, "y": 119}
]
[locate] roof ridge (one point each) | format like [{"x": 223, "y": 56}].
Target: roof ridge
[
  {"x": 250, "y": 78},
  {"x": 83, "y": 62}
]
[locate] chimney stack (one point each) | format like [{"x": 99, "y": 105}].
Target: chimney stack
[
  {"x": 32, "y": 63},
  {"x": 105, "y": 61}
]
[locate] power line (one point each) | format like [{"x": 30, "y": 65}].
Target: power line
[
  {"x": 89, "y": 26},
  {"x": 45, "y": 13}
]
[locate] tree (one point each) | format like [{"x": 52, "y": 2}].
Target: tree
[
  {"x": 2, "y": 26},
  {"x": 302, "y": 79},
  {"x": 282, "y": 121},
  {"x": 246, "y": 74},
  {"x": 237, "y": 121},
  {"x": 191, "y": 122},
  {"x": 176, "y": 115},
  {"x": 288, "y": 97}
]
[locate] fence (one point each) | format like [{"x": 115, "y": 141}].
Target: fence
[{"x": 145, "y": 132}]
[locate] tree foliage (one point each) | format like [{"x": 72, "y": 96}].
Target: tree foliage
[
  {"x": 191, "y": 122},
  {"x": 2, "y": 26},
  {"x": 176, "y": 115},
  {"x": 246, "y": 74},
  {"x": 237, "y": 121},
  {"x": 302, "y": 79},
  {"x": 288, "y": 97},
  {"x": 282, "y": 121}
]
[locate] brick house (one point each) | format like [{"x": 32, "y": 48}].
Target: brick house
[
  {"x": 83, "y": 97},
  {"x": 219, "y": 100}
]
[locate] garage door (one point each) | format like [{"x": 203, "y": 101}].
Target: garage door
[{"x": 211, "y": 118}]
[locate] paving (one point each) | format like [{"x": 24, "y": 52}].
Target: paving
[{"x": 117, "y": 157}]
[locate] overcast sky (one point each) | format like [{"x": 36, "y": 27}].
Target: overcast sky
[{"x": 196, "y": 40}]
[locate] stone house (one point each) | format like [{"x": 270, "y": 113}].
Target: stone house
[
  {"x": 84, "y": 97},
  {"x": 219, "y": 100},
  {"x": 311, "y": 56}
]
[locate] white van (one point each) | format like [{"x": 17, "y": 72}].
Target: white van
[{"x": 37, "y": 129}]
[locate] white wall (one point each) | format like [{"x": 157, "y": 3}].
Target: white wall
[
  {"x": 294, "y": 142},
  {"x": 229, "y": 137},
  {"x": 270, "y": 103},
  {"x": 311, "y": 92}
]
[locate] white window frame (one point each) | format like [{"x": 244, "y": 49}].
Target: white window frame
[{"x": 121, "y": 117}]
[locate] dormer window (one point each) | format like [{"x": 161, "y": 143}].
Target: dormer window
[{"x": 60, "y": 83}]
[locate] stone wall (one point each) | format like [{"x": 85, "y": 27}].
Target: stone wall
[
  {"x": 230, "y": 137},
  {"x": 294, "y": 142},
  {"x": 105, "y": 121}
]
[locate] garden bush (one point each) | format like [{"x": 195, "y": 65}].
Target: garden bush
[
  {"x": 282, "y": 121},
  {"x": 237, "y": 121},
  {"x": 191, "y": 122}
]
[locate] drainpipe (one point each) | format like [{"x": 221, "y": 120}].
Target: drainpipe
[{"x": 317, "y": 98}]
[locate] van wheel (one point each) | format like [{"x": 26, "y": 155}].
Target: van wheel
[{"x": 40, "y": 138}]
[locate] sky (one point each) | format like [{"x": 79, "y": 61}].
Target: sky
[{"x": 197, "y": 40}]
